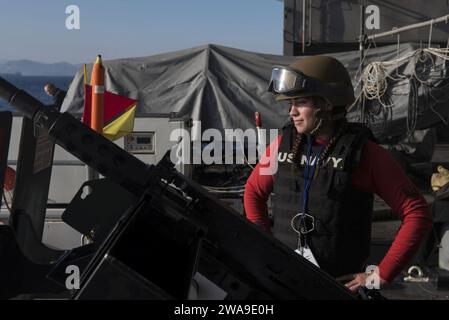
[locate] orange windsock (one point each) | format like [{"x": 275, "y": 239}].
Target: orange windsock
[{"x": 97, "y": 82}]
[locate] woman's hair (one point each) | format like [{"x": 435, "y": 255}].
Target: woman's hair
[{"x": 296, "y": 148}]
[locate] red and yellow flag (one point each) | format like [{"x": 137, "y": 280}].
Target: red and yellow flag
[
  {"x": 118, "y": 114},
  {"x": 106, "y": 112}
]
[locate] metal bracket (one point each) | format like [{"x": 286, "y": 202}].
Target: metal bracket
[{"x": 96, "y": 207}]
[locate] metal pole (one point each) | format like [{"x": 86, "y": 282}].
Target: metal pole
[
  {"x": 303, "y": 26},
  {"x": 409, "y": 27},
  {"x": 362, "y": 39},
  {"x": 362, "y": 35},
  {"x": 309, "y": 42},
  {"x": 294, "y": 28}
]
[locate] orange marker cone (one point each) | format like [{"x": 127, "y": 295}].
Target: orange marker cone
[{"x": 97, "y": 82}]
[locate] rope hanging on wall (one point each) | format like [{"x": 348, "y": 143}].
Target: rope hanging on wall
[{"x": 425, "y": 77}]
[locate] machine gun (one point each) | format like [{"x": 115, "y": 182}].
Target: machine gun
[{"x": 167, "y": 229}]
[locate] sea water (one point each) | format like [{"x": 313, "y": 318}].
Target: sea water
[{"x": 34, "y": 85}]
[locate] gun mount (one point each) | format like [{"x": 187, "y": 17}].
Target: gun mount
[{"x": 170, "y": 228}]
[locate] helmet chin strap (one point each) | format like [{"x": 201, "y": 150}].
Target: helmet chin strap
[{"x": 317, "y": 119}]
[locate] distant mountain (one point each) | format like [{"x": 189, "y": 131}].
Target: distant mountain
[{"x": 33, "y": 68}]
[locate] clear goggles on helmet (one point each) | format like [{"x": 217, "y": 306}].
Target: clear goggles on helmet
[{"x": 286, "y": 80}]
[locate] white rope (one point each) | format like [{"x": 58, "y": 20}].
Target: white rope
[{"x": 376, "y": 75}]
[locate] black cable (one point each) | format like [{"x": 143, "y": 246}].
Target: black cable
[{"x": 412, "y": 112}]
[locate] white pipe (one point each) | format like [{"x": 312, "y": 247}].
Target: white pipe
[{"x": 409, "y": 27}]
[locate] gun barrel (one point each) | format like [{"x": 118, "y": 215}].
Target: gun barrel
[
  {"x": 19, "y": 99},
  {"x": 81, "y": 141}
]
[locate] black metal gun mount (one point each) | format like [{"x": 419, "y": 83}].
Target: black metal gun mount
[{"x": 172, "y": 229}]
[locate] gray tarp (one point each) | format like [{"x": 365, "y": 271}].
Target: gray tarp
[{"x": 223, "y": 87}]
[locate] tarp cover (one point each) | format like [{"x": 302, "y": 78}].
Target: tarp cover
[{"x": 223, "y": 86}]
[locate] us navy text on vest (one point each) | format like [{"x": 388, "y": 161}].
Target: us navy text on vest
[{"x": 336, "y": 163}]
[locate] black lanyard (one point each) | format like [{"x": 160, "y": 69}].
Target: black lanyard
[
  {"x": 309, "y": 172},
  {"x": 306, "y": 221}
]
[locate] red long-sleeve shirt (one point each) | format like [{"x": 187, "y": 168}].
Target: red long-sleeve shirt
[{"x": 378, "y": 173}]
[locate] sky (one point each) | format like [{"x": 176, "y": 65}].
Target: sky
[{"x": 36, "y": 30}]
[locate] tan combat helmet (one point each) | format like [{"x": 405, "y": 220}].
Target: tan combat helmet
[{"x": 313, "y": 76}]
